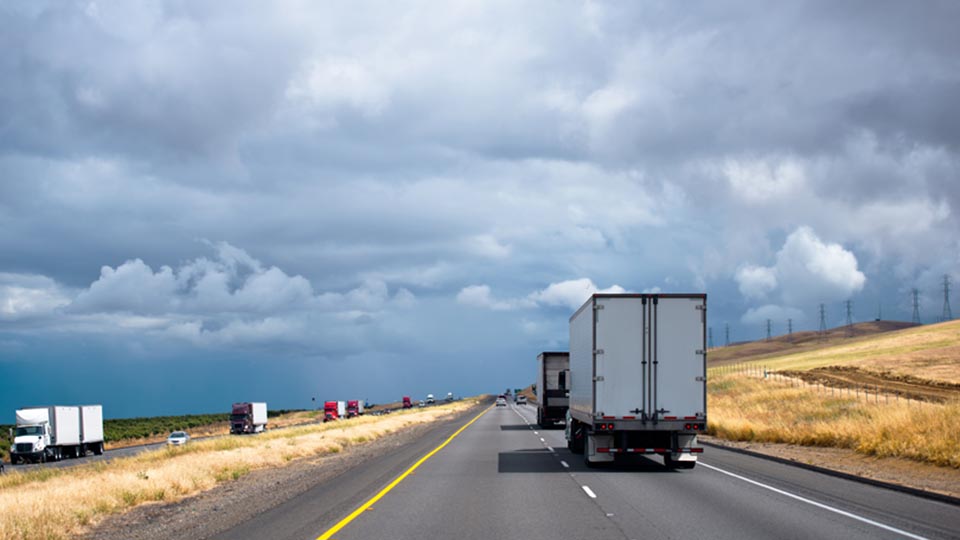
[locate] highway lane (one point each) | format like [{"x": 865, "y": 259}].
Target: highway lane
[
  {"x": 503, "y": 477},
  {"x": 107, "y": 455}
]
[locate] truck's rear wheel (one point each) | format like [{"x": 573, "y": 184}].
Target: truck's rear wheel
[
  {"x": 98, "y": 449},
  {"x": 578, "y": 441}
]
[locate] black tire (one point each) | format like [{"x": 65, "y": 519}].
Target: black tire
[
  {"x": 98, "y": 449},
  {"x": 579, "y": 442}
]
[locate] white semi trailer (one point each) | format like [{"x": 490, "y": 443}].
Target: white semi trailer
[
  {"x": 55, "y": 432},
  {"x": 553, "y": 369},
  {"x": 638, "y": 371}
]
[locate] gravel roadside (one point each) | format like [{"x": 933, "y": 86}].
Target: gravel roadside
[{"x": 229, "y": 504}]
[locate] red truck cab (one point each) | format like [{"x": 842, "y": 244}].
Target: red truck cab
[
  {"x": 406, "y": 402},
  {"x": 353, "y": 408},
  {"x": 330, "y": 411}
]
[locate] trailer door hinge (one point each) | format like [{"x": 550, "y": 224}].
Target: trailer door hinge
[
  {"x": 598, "y": 378},
  {"x": 598, "y": 351},
  {"x": 701, "y": 379},
  {"x": 700, "y": 351},
  {"x": 597, "y": 307},
  {"x": 701, "y": 307}
]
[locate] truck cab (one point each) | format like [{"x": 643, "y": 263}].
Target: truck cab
[
  {"x": 406, "y": 402},
  {"x": 354, "y": 408},
  {"x": 430, "y": 400},
  {"x": 30, "y": 442},
  {"x": 330, "y": 411}
]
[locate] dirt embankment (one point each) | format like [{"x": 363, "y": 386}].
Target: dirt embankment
[{"x": 883, "y": 381}]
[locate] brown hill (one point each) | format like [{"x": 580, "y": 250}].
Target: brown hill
[{"x": 799, "y": 342}]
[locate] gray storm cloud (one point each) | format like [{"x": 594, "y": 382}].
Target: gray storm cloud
[{"x": 401, "y": 165}]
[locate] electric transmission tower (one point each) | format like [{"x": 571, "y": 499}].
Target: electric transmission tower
[
  {"x": 726, "y": 334},
  {"x": 823, "y": 322},
  {"x": 710, "y": 337},
  {"x": 768, "y": 329},
  {"x": 916, "y": 305},
  {"x": 947, "y": 314},
  {"x": 790, "y": 327},
  {"x": 849, "y": 306}
]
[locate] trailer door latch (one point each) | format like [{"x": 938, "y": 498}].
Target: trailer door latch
[
  {"x": 701, "y": 379},
  {"x": 598, "y": 351},
  {"x": 598, "y": 378}
]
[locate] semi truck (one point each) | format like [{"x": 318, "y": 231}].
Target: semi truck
[
  {"x": 638, "y": 377},
  {"x": 553, "y": 373},
  {"x": 55, "y": 432},
  {"x": 406, "y": 402},
  {"x": 248, "y": 417},
  {"x": 354, "y": 408},
  {"x": 334, "y": 410}
]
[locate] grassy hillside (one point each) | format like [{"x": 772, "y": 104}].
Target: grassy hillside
[
  {"x": 801, "y": 342},
  {"x": 847, "y": 393},
  {"x": 930, "y": 352}
]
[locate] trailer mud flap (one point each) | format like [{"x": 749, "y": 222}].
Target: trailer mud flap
[{"x": 599, "y": 441}]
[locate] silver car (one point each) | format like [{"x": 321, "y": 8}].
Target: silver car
[{"x": 178, "y": 438}]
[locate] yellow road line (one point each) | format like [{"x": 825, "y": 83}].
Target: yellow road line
[{"x": 353, "y": 515}]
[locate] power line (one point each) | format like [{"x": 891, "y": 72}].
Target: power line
[
  {"x": 823, "y": 321},
  {"x": 916, "y": 305},
  {"x": 947, "y": 314},
  {"x": 849, "y": 306}
]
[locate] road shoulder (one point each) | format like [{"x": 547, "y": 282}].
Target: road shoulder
[{"x": 898, "y": 472}]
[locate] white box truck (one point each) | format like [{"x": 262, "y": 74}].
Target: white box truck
[
  {"x": 53, "y": 433},
  {"x": 638, "y": 371},
  {"x": 553, "y": 370},
  {"x": 248, "y": 417}
]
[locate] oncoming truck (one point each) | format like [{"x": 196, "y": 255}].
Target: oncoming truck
[
  {"x": 355, "y": 408},
  {"x": 248, "y": 418},
  {"x": 553, "y": 369},
  {"x": 334, "y": 410},
  {"x": 53, "y": 433},
  {"x": 638, "y": 377}
]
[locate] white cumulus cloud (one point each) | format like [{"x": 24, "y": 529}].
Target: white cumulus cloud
[
  {"x": 26, "y": 295},
  {"x": 571, "y": 293},
  {"x": 807, "y": 270},
  {"x": 756, "y": 281}
]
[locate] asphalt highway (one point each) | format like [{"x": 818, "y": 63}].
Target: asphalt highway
[{"x": 502, "y": 477}]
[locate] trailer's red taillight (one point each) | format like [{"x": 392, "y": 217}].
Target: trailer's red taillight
[{"x": 687, "y": 427}]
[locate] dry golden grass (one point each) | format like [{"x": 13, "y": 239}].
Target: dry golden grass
[
  {"x": 752, "y": 409},
  {"x": 59, "y": 503},
  {"x": 929, "y": 352},
  {"x": 800, "y": 342}
]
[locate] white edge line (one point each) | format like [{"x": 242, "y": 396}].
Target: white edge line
[
  {"x": 814, "y": 503},
  {"x": 565, "y": 464},
  {"x": 589, "y": 492}
]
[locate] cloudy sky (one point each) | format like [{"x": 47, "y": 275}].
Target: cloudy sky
[{"x": 208, "y": 202}]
